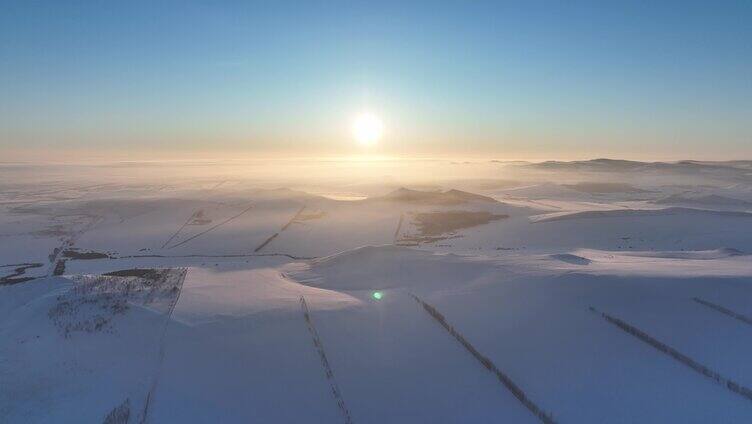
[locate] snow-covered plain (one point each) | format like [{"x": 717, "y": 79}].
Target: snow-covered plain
[{"x": 569, "y": 292}]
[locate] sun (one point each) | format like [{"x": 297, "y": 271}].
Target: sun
[{"x": 367, "y": 128}]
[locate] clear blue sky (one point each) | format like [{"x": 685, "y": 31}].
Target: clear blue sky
[{"x": 508, "y": 80}]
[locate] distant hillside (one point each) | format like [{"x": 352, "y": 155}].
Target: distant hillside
[
  {"x": 731, "y": 168},
  {"x": 603, "y": 188},
  {"x": 450, "y": 197},
  {"x": 282, "y": 193},
  {"x": 622, "y": 213},
  {"x": 702, "y": 200},
  {"x": 611, "y": 165}
]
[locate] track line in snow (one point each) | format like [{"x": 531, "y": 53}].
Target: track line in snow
[
  {"x": 399, "y": 226},
  {"x": 265, "y": 242},
  {"x": 284, "y": 227},
  {"x": 190, "y": 217},
  {"x": 213, "y": 227},
  {"x": 218, "y": 184},
  {"x": 718, "y": 308},
  {"x": 294, "y": 217},
  {"x": 487, "y": 363},
  {"x": 175, "y": 234},
  {"x": 324, "y": 362},
  {"x": 161, "y": 354},
  {"x": 675, "y": 354},
  {"x": 199, "y": 255}
]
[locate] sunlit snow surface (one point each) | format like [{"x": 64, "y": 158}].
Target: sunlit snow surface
[{"x": 211, "y": 293}]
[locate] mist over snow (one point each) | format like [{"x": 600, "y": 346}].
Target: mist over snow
[{"x": 372, "y": 292}]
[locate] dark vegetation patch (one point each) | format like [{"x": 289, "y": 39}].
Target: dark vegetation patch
[
  {"x": 449, "y": 197},
  {"x": 432, "y": 224},
  {"x": 120, "y": 414},
  {"x": 436, "y": 226},
  {"x": 84, "y": 255},
  {"x": 10, "y": 281},
  {"x": 54, "y": 254},
  {"x": 16, "y": 276},
  {"x": 145, "y": 273},
  {"x": 89, "y": 312},
  {"x": 94, "y": 301},
  {"x": 409, "y": 241},
  {"x": 59, "y": 267},
  {"x": 571, "y": 259}
]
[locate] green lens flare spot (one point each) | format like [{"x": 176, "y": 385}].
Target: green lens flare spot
[{"x": 377, "y": 295}]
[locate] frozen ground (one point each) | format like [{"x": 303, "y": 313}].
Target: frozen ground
[{"x": 568, "y": 292}]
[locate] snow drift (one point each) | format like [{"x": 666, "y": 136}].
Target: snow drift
[{"x": 383, "y": 267}]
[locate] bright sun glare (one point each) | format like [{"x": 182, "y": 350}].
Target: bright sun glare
[{"x": 367, "y": 129}]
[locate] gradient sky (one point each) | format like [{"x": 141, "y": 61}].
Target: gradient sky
[{"x": 525, "y": 80}]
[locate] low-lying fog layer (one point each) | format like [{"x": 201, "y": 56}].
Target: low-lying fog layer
[{"x": 376, "y": 291}]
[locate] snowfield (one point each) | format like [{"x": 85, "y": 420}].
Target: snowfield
[{"x": 582, "y": 292}]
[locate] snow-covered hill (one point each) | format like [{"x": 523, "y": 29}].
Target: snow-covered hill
[{"x": 571, "y": 300}]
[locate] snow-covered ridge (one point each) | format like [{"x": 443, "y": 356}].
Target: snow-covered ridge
[
  {"x": 621, "y": 213},
  {"x": 295, "y": 308},
  {"x": 449, "y": 197}
]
